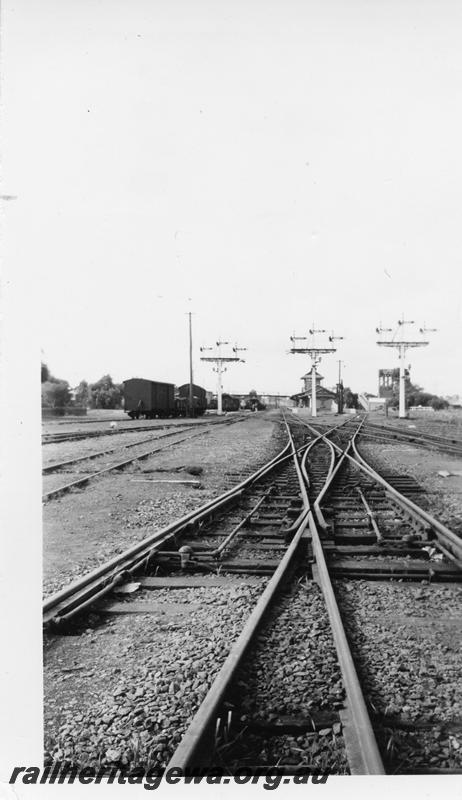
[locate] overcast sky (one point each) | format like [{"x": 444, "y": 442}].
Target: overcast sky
[{"x": 266, "y": 165}]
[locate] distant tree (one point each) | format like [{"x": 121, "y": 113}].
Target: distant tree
[
  {"x": 105, "y": 393},
  {"x": 252, "y": 393},
  {"x": 416, "y": 396},
  {"x": 83, "y": 395},
  {"x": 55, "y": 394},
  {"x": 439, "y": 403},
  {"x": 350, "y": 399},
  {"x": 45, "y": 373}
]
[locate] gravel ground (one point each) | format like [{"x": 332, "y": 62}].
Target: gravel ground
[
  {"x": 444, "y": 495},
  {"x": 406, "y": 644},
  {"x": 293, "y": 671},
  {"x": 84, "y": 528},
  {"x": 123, "y": 694}
]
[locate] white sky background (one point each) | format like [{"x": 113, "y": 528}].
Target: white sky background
[{"x": 273, "y": 161}]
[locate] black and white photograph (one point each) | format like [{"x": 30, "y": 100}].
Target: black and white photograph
[{"x": 232, "y": 502}]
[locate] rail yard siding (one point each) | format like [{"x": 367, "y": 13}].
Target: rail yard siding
[
  {"x": 138, "y": 673},
  {"x": 444, "y": 495},
  {"x": 82, "y": 529}
]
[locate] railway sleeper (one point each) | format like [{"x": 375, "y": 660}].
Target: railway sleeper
[
  {"x": 385, "y": 548},
  {"x": 352, "y": 538},
  {"x": 342, "y": 524},
  {"x": 394, "y": 566},
  {"x": 386, "y": 575},
  {"x": 288, "y": 724}
]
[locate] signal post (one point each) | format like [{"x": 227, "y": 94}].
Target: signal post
[
  {"x": 315, "y": 354},
  {"x": 220, "y": 360},
  {"x": 402, "y": 345}
]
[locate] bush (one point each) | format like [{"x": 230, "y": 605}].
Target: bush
[
  {"x": 438, "y": 404},
  {"x": 55, "y": 394}
]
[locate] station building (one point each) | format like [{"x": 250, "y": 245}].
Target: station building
[{"x": 326, "y": 400}]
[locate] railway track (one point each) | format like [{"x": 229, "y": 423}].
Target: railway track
[
  {"x": 75, "y": 436},
  {"x": 57, "y": 438},
  {"x": 316, "y": 510},
  {"x": 79, "y": 463},
  {"x": 338, "y": 547},
  {"x": 58, "y": 465},
  {"x": 154, "y": 548},
  {"x": 387, "y": 433}
]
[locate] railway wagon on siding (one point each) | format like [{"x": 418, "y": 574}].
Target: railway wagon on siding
[
  {"x": 228, "y": 402},
  {"x": 199, "y": 398},
  {"x": 143, "y": 398}
]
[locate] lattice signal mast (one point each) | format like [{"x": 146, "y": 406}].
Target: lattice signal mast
[
  {"x": 219, "y": 360},
  {"x": 402, "y": 345},
  {"x": 315, "y": 355}
]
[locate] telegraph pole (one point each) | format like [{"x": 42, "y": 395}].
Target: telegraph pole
[
  {"x": 191, "y": 394},
  {"x": 315, "y": 355},
  {"x": 219, "y": 360},
  {"x": 340, "y": 388},
  {"x": 402, "y": 345},
  {"x": 333, "y": 338}
]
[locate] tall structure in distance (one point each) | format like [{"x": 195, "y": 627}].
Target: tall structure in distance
[
  {"x": 402, "y": 344},
  {"x": 389, "y": 382},
  {"x": 220, "y": 360},
  {"x": 315, "y": 352}
]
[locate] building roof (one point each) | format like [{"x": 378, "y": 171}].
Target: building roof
[
  {"x": 321, "y": 394},
  {"x": 308, "y": 375}
]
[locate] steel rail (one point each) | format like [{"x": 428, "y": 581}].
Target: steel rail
[
  {"x": 381, "y": 434},
  {"x": 446, "y": 538},
  {"x": 417, "y": 433},
  {"x": 306, "y": 477},
  {"x": 60, "y": 465},
  {"x": 317, "y": 503},
  {"x": 333, "y": 470},
  {"x": 315, "y": 441},
  {"x": 370, "y": 761},
  {"x": 192, "y": 746},
  {"x": 219, "y": 550},
  {"x": 371, "y": 515},
  {"x": 189, "y": 749},
  {"x": 318, "y": 438},
  {"x": 368, "y": 749},
  {"x": 60, "y": 438},
  {"x": 449, "y": 540},
  {"x": 95, "y": 581},
  {"x": 367, "y": 760}
]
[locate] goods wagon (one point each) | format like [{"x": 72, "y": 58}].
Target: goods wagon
[
  {"x": 228, "y": 402},
  {"x": 199, "y": 399},
  {"x": 149, "y": 398}
]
